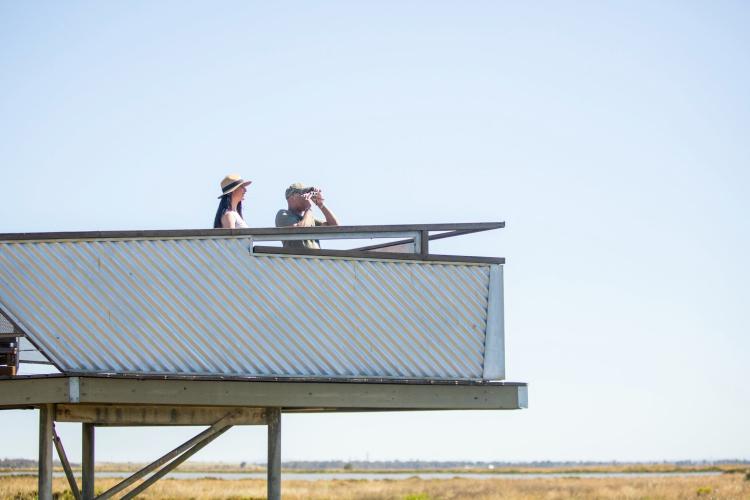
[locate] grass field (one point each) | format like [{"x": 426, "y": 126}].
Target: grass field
[{"x": 725, "y": 486}]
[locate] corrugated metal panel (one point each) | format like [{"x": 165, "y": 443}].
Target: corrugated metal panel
[
  {"x": 5, "y": 325},
  {"x": 207, "y": 306}
]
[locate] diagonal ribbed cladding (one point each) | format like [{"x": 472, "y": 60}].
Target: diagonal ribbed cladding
[
  {"x": 46, "y": 304},
  {"x": 242, "y": 308},
  {"x": 156, "y": 314},
  {"x": 179, "y": 266},
  {"x": 204, "y": 305},
  {"x": 443, "y": 334},
  {"x": 222, "y": 313},
  {"x": 436, "y": 329},
  {"x": 348, "y": 350},
  {"x": 466, "y": 344},
  {"x": 130, "y": 319},
  {"x": 76, "y": 288},
  {"x": 265, "y": 319},
  {"x": 474, "y": 290},
  {"x": 470, "y": 327},
  {"x": 301, "y": 319},
  {"x": 413, "y": 339},
  {"x": 338, "y": 278},
  {"x": 176, "y": 302}
]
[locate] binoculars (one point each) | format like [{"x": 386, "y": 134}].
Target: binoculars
[{"x": 310, "y": 193}]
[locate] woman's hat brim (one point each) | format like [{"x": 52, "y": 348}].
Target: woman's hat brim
[{"x": 245, "y": 183}]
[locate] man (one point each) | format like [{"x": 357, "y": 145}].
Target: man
[{"x": 300, "y": 199}]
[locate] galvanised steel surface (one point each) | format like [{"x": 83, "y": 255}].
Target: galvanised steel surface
[
  {"x": 5, "y": 326},
  {"x": 209, "y": 306}
]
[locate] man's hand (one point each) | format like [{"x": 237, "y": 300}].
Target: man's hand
[
  {"x": 320, "y": 201},
  {"x": 318, "y": 198}
]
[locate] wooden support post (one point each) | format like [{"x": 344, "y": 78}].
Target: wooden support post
[
  {"x": 87, "y": 461},
  {"x": 66, "y": 464},
  {"x": 274, "y": 454},
  {"x": 46, "y": 412}
]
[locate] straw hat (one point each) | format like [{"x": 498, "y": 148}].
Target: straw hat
[{"x": 232, "y": 182}]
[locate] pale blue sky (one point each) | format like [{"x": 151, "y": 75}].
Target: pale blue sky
[{"x": 611, "y": 136}]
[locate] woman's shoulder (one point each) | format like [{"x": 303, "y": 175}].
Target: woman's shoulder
[
  {"x": 232, "y": 219},
  {"x": 230, "y": 215}
]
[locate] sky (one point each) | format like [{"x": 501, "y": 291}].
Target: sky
[{"x": 610, "y": 136}]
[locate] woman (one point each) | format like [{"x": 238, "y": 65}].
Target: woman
[{"x": 229, "y": 213}]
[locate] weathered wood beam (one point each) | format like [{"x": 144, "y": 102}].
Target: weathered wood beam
[
  {"x": 33, "y": 391},
  {"x": 300, "y": 394},
  {"x": 292, "y": 395},
  {"x": 134, "y": 415}
]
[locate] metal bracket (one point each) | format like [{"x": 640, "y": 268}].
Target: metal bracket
[{"x": 74, "y": 389}]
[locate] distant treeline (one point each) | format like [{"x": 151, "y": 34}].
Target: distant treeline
[
  {"x": 322, "y": 465},
  {"x": 17, "y": 463}
]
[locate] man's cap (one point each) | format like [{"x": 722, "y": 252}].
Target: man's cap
[{"x": 297, "y": 188}]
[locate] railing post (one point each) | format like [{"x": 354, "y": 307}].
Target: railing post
[
  {"x": 424, "y": 242},
  {"x": 274, "y": 454}
]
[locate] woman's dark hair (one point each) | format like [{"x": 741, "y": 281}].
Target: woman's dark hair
[{"x": 225, "y": 203}]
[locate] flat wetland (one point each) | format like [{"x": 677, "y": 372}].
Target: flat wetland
[
  {"x": 638, "y": 481},
  {"x": 733, "y": 486}
]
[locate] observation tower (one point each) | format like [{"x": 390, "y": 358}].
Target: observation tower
[{"x": 220, "y": 328}]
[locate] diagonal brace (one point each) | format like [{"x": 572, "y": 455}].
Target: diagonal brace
[
  {"x": 172, "y": 465},
  {"x": 65, "y": 463},
  {"x": 214, "y": 429}
]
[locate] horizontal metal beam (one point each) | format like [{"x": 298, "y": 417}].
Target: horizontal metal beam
[
  {"x": 335, "y": 236},
  {"x": 432, "y": 237},
  {"x": 356, "y": 254},
  {"x": 188, "y": 233},
  {"x": 135, "y": 415}
]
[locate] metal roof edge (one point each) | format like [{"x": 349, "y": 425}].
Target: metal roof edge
[{"x": 188, "y": 233}]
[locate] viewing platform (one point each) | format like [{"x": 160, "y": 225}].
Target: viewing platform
[{"x": 218, "y": 327}]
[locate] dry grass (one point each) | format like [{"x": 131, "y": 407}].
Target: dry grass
[{"x": 729, "y": 486}]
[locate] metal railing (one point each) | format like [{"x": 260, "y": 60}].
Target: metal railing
[{"x": 412, "y": 238}]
